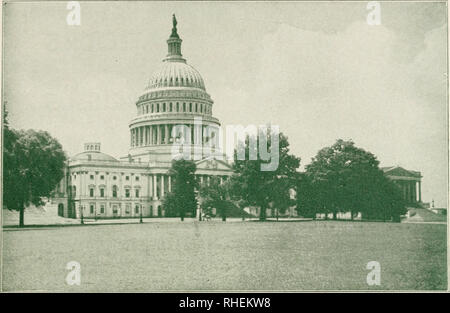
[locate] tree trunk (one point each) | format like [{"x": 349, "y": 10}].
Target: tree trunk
[
  {"x": 334, "y": 216},
  {"x": 262, "y": 214},
  {"x": 351, "y": 215},
  {"x": 21, "y": 216}
]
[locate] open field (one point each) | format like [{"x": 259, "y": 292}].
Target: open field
[{"x": 226, "y": 256}]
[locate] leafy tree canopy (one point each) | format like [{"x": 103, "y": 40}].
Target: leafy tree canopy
[
  {"x": 182, "y": 198},
  {"x": 264, "y": 189},
  {"x": 33, "y": 165},
  {"x": 345, "y": 178}
]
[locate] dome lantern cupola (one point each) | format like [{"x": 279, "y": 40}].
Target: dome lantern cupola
[{"x": 174, "y": 44}]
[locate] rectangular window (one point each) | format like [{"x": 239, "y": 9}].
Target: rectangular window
[
  {"x": 92, "y": 177},
  {"x": 137, "y": 178},
  {"x": 136, "y": 209},
  {"x": 127, "y": 177},
  {"x": 127, "y": 193},
  {"x": 128, "y": 208},
  {"x": 92, "y": 208},
  {"x": 137, "y": 193},
  {"x": 102, "y": 177},
  {"x": 115, "y": 209},
  {"x": 102, "y": 192},
  {"x": 91, "y": 192},
  {"x": 102, "y": 208}
]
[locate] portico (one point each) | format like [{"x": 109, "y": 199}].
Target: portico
[{"x": 408, "y": 181}]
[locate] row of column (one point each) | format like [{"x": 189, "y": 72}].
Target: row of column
[
  {"x": 412, "y": 191},
  {"x": 176, "y": 107},
  {"x": 162, "y": 134},
  {"x": 160, "y": 184}
]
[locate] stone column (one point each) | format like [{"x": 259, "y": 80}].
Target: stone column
[
  {"x": 170, "y": 183},
  {"x": 136, "y": 137},
  {"x": 166, "y": 134},
  {"x": 151, "y": 135},
  {"x": 145, "y": 135},
  {"x": 404, "y": 191},
  {"x": 155, "y": 195},
  {"x": 158, "y": 141},
  {"x": 139, "y": 136},
  {"x": 162, "y": 186},
  {"x": 149, "y": 185},
  {"x": 420, "y": 191}
]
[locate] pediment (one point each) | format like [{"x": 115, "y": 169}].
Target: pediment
[
  {"x": 213, "y": 164},
  {"x": 401, "y": 172}
]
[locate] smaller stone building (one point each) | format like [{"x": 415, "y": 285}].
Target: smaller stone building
[{"x": 408, "y": 181}]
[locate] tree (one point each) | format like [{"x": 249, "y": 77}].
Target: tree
[
  {"x": 306, "y": 198},
  {"x": 182, "y": 198},
  {"x": 33, "y": 165},
  {"x": 216, "y": 195},
  {"x": 346, "y": 178},
  {"x": 262, "y": 188}
]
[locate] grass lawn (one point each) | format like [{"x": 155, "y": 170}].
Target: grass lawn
[{"x": 156, "y": 256}]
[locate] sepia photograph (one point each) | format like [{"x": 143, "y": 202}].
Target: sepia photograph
[{"x": 224, "y": 146}]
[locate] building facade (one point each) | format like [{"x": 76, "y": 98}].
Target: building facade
[
  {"x": 409, "y": 182},
  {"x": 174, "y": 118}
]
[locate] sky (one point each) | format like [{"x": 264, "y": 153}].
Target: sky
[{"x": 318, "y": 70}]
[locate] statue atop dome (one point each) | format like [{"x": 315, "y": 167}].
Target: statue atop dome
[{"x": 174, "y": 28}]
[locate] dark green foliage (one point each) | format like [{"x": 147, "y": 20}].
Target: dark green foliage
[
  {"x": 182, "y": 198},
  {"x": 33, "y": 165},
  {"x": 216, "y": 195},
  {"x": 264, "y": 189},
  {"x": 344, "y": 178},
  {"x": 306, "y": 198}
]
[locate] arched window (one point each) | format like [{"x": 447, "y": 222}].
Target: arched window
[
  {"x": 170, "y": 107},
  {"x": 178, "y": 107},
  {"x": 114, "y": 191},
  {"x": 184, "y": 107},
  {"x": 190, "y": 107},
  {"x": 157, "y": 108},
  {"x": 164, "y": 107},
  {"x": 152, "y": 107}
]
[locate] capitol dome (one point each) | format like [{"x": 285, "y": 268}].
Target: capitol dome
[
  {"x": 176, "y": 73},
  {"x": 173, "y": 104}
]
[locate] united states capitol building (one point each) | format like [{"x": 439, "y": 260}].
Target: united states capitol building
[{"x": 173, "y": 112}]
